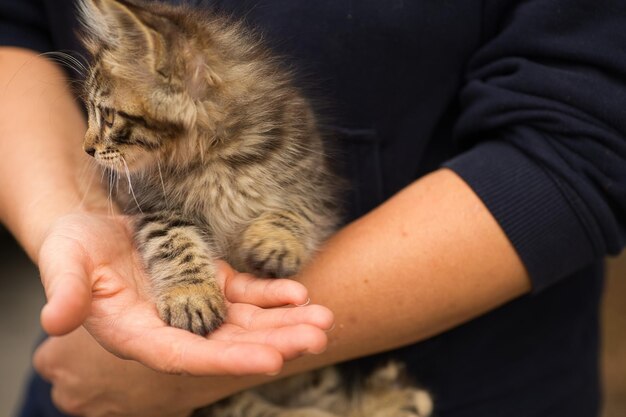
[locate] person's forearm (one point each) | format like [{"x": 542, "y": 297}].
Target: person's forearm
[
  {"x": 41, "y": 128},
  {"x": 429, "y": 259}
]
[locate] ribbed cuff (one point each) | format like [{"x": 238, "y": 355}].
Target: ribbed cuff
[{"x": 531, "y": 209}]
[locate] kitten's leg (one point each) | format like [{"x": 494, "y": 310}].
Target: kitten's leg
[
  {"x": 179, "y": 260},
  {"x": 276, "y": 244},
  {"x": 385, "y": 394},
  {"x": 251, "y": 404}
]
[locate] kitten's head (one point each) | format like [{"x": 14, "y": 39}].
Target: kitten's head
[{"x": 143, "y": 85}]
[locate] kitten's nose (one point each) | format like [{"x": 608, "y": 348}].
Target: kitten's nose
[{"x": 91, "y": 151}]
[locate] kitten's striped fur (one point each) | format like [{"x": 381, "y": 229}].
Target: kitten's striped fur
[{"x": 224, "y": 160}]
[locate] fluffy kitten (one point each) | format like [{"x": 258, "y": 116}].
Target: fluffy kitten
[
  {"x": 223, "y": 153},
  {"x": 224, "y": 159}
]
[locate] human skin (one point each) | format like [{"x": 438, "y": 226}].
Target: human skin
[{"x": 410, "y": 269}]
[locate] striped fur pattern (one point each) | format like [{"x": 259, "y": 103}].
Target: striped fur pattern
[{"x": 223, "y": 160}]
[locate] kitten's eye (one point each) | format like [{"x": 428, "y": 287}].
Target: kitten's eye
[{"x": 108, "y": 116}]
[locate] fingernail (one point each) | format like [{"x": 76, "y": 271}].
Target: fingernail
[
  {"x": 306, "y": 303},
  {"x": 331, "y": 328}
]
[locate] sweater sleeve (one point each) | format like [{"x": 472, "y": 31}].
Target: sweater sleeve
[
  {"x": 23, "y": 23},
  {"x": 543, "y": 126}
]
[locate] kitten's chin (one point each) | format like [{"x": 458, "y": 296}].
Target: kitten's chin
[
  {"x": 124, "y": 165},
  {"x": 115, "y": 164}
]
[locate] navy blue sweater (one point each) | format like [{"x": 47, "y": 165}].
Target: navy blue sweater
[{"x": 525, "y": 100}]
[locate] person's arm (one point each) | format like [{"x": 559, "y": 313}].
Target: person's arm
[
  {"x": 41, "y": 129},
  {"x": 430, "y": 258}
]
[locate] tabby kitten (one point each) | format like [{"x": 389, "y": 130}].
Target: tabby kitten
[
  {"x": 222, "y": 153},
  {"x": 223, "y": 159}
]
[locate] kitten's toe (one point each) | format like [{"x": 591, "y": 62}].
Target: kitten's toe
[
  {"x": 274, "y": 262},
  {"x": 274, "y": 245},
  {"x": 197, "y": 308},
  {"x": 276, "y": 256}
]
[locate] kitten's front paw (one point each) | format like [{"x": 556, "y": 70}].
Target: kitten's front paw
[
  {"x": 272, "y": 252},
  {"x": 199, "y": 308}
]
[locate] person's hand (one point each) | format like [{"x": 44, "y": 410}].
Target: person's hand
[
  {"x": 91, "y": 382},
  {"x": 92, "y": 276}
]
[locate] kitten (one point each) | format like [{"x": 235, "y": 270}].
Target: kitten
[
  {"x": 224, "y": 160},
  {"x": 223, "y": 154}
]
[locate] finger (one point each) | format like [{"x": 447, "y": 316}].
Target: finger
[
  {"x": 46, "y": 366},
  {"x": 253, "y": 318},
  {"x": 177, "y": 351},
  {"x": 63, "y": 273},
  {"x": 42, "y": 361},
  {"x": 66, "y": 401},
  {"x": 290, "y": 341},
  {"x": 263, "y": 292}
]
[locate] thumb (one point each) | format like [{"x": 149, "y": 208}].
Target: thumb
[{"x": 63, "y": 267}]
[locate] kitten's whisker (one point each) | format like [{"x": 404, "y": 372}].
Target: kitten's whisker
[
  {"x": 130, "y": 185},
  {"x": 162, "y": 183},
  {"x": 67, "y": 60},
  {"x": 71, "y": 58},
  {"x": 89, "y": 166},
  {"x": 102, "y": 176},
  {"x": 117, "y": 182},
  {"x": 65, "y": 64},
  {"x": 110, "y": 201}
]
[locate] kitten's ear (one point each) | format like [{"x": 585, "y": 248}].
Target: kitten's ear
[{"x": 119, "y": 24}]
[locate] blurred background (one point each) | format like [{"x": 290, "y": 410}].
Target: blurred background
[{"x": 21, "y": 298}]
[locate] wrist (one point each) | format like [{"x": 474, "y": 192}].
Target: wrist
[
  {"x": 34, "y": 209},
  {"x": 33, "y": 222}
]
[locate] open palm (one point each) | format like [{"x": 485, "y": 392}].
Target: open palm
[{"x": 93, "y": 276}]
